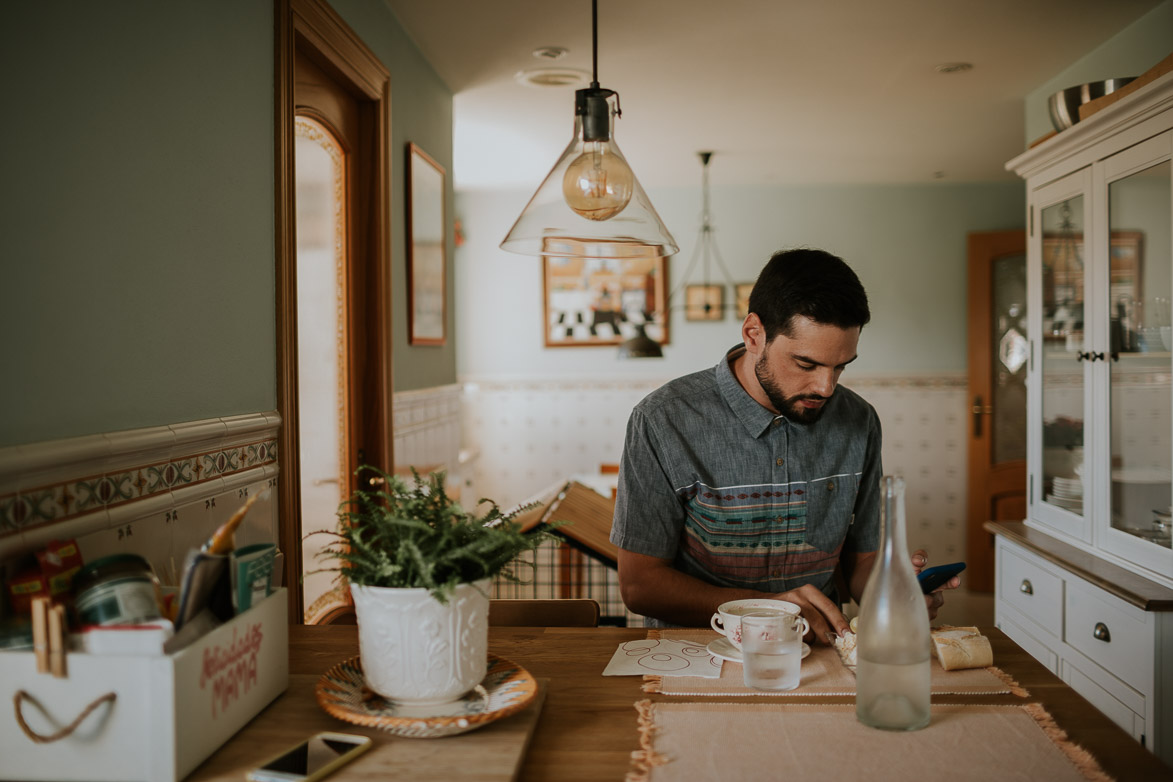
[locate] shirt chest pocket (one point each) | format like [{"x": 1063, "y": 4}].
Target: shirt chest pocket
[{"x": 830, "y": 504}]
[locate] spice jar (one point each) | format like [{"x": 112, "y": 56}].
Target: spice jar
[{"x": 117, "y": 590}]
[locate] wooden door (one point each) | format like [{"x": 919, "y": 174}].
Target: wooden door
[
  {"x": 998, "y": 361},
  {"x": 333, "y": 275}
]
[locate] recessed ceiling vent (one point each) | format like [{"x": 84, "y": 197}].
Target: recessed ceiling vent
[{"x": 553, "y": 77}]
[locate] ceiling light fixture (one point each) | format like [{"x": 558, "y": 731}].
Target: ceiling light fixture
[
  {"x": 706, "y": 250},
  {"x": 551, "y": 76},
  {"x": 591, "y": 197},
  {"x": 550, "y": 52}
]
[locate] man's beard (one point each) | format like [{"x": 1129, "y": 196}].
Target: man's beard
[{"x": 787, "y": 406}]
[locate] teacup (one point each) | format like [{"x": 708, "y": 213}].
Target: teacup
[{"x": 727, "y": 620}]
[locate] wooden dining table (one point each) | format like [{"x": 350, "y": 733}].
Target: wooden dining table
[{"x": 583, "y": 725}]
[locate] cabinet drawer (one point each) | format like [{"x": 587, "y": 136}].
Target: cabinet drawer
[
  {"x": 1131, "y": 722},
  {"x": 1031, "y": 590},
  {"x": 1009, "y": 622},
  {"x": 1111, "y": 633}
]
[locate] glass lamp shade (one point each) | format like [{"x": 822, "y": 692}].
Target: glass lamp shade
[{"x": 597, "y": 181}]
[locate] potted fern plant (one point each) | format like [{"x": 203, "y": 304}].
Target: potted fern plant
[{"x": 419, "y": 568}]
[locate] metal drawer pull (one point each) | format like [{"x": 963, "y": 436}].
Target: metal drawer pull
[
  {"x": 1026, "y": 588},
  {"x": 1101, "y": 633}
]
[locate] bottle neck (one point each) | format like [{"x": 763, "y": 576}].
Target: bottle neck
[{"x": 895, "y": 542}]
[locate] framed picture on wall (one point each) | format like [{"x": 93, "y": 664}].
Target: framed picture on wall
[
  {"x": 704, "y": 302},
  {"x": 602, "y": 301},
  {"x": 742, "y": 291},
  {"x": 426, "y": 250}
]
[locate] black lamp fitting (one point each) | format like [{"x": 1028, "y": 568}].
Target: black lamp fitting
[{"x": 591, "y": 104}]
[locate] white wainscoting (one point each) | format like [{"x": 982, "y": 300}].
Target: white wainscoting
[
  {"x": 513, "y": 440},
  {"x": 426, "y": 429},
  {"x": 156, "y": 492},
  {"x": 527, "y": 435}
]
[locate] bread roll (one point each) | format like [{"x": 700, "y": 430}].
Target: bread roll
[{"x": 962, "y": 647}]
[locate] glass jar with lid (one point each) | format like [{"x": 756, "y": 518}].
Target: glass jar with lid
[{"x": 117, "y": 590}]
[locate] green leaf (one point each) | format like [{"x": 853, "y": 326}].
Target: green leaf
[{"x": 415, "y": 536}]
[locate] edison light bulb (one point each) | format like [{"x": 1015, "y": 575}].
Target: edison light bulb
[{"x": 598, "y": 184}]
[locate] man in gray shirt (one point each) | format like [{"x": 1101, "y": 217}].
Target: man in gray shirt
[{"x": 759, "y": 475}]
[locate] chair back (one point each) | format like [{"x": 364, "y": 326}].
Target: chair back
[{"x": 565, "y": 612}]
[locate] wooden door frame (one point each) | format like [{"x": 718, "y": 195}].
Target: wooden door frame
[
  {"x": 313, "y": 27},
  {"x": 979, "y": 549}
]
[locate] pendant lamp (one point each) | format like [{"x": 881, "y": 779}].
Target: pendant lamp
[{"x": 591, "y": 205}]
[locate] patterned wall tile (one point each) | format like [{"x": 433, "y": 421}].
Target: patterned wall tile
[
  {"x": 105, "y": 483},
  {"x": 530, "y": 435}
]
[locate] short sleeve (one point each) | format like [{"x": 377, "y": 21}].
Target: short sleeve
[
  {"x": 864, "y": 534},
  {"x": 649, "y": 516}
]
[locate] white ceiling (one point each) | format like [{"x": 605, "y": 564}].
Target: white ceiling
[{"x": 784, "y": 91}]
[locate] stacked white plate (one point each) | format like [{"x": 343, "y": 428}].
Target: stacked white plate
[{"x": 1067, "y": 493}]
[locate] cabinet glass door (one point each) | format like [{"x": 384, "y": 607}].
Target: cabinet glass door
[
  {"x": 1062, "y": 355},
  {"x": 1141, "y": 402}
]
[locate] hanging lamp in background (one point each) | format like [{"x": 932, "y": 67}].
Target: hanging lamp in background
[
  {"x": 641, "y": 346},
  {"x": 591, "y": 205}
]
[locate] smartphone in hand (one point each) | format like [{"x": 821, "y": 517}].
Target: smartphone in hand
[
  {"x": 934, "y": 577},
  {"x": 313, "y": 759}
]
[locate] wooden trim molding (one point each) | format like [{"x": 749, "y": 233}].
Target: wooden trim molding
[
  {"x": 313, "y": 28},
  {"x": 1132, "y": 588},
  {"x": 289, "y": 488}
]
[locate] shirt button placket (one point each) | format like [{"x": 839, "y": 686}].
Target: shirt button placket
[{"x": 776, "y": 558}]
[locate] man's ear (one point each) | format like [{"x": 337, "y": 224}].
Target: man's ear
[{"x": 753, "y": 333}]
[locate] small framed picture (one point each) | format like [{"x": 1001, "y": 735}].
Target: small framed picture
[
  {"x": 426, "y": 249},
  {"x": 742, "y": 290},
  {"x": 606, "y": 300},
  {"x": 704, "y": 302}
]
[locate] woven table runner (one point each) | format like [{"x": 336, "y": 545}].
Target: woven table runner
[
  {"x": 823, "y": 673},
  {"x": 773, "y": 741}
]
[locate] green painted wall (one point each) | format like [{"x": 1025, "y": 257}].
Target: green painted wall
[
  {"x": 421, "y": 112},
  {"x": 906, "y": 242},
  {"x": 1130, "y": 52},
  {"x": 137, "y": 214}
]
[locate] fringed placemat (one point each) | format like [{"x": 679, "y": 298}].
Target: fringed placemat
[
  {"x": 746, "y": 741},
  {"x": 822, "y": 674}
]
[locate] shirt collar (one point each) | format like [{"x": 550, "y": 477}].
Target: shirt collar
[{"x": 755, "y": 418}]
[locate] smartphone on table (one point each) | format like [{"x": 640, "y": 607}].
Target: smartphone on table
[
  {"x": 313, "y": 759},
  {"x": 934, "y": 577}
]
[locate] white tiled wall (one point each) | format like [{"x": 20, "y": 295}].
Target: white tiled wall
[
  {"x": 512, "y": 441},
  {"x": 426, "y": 429},
  {"x": 530, "y": 434},
  {"x": 157, "y": 492},
  {"x": 924, "y": 422}
]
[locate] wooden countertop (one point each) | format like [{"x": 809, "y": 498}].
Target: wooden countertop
[
  {"x": 586, "y": 729},
  {"x": 1128, "y": 586}
]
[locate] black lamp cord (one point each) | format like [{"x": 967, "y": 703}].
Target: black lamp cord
[{"x": 705, "y": 243}]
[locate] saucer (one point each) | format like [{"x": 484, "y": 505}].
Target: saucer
[
  {"x": 506, "y": 689},
  {"x": 725, "y": 650}
]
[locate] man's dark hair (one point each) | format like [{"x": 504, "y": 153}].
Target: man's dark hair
[{"x": 808, "y": 283}]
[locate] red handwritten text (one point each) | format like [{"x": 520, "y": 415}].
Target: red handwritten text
[{"x": 232, "y": 670}]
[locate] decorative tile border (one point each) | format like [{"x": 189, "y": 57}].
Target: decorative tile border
[{"x": 101, "y": 488}]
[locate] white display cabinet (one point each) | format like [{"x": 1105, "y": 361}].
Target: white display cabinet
[{"x": 1100, "y": 414}]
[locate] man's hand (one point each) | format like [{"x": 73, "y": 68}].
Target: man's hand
[
  {"x": 820, "y": 611},
  {"x": 936, "y": 599}
]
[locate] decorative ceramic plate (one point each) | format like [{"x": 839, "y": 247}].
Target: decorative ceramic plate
[
  {"x": 506, "y": 689},
  {"x": 725, "y": 650}
]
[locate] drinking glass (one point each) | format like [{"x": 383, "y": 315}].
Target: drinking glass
[{"x": 771, "y": 649}]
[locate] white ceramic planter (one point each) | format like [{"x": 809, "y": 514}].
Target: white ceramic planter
[{"x": 416, "y": 650}]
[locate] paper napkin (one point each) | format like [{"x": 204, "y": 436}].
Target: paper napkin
[{"x": 663, "y": 657}]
